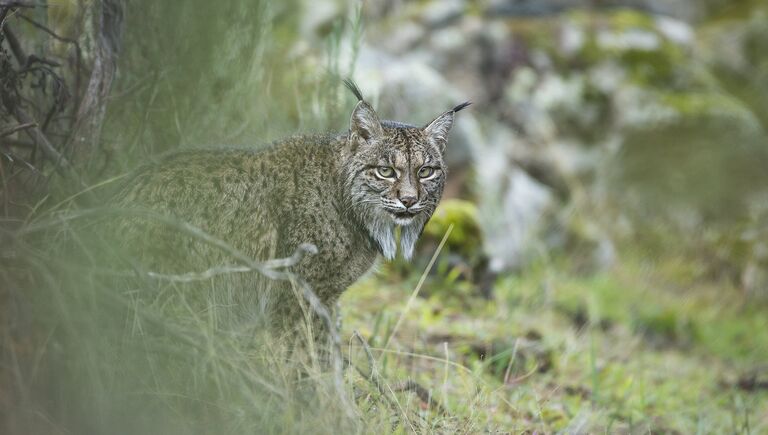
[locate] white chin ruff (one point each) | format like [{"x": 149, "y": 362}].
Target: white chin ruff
[
  {"x": 382, "y": 229},
  {"x": 403, "y": 221}
]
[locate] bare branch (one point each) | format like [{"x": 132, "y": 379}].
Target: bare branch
[
  {"x": 303, "y": 249},
  {"x": 371, "y": 362},
  {"x": 37, "y": 59},
  {"x": 268, "y": 268},
  {"x": 200, "y": 276},
  {"x": 60, "y": 162},
  {"x": 78, "y": 51},
  {"x": 11, "y": 103},
  {"x": 277, "y": 263},
  {"x": 16, "y": 128},
  {"x": 372, "y": 376},
  {"x": 13, "y": 159},
  {"x": 16, "y": 49},
  {"x": 49, "y": 31},
  {"x": 423, "y": 394},
  {"x": 3, "y": 13}
]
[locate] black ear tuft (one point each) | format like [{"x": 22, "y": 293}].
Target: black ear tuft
[
  {"x": 461, "y": 106},
  {"x": 352, "y": 86},
  {"x": 365, "y": 122}
]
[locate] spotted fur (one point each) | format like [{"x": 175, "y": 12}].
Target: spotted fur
[{"x": 325, "y": 190}]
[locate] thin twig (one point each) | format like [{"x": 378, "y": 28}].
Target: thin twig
[
  {"x": 422, "y": 393},
  {"x": 373, "y": 375},
  {"x": 200, "y": 276},
  {"x": 11, "y": 103},
  {"x": 16, "y": 49},
  {"x": 60, "y": 162},
  {"x": 13, "y": 158},
  {"x": 277, "y": 263},
  {"x": 16, "y": 128},
  {"x": 410, "y": 385},
  {"x": 418, "y": 286},
  {"x": 268, "y": 269},
  {"x": 371, "y": 362},
  {"x": 3, "y": 14},
  {"x": 78, "y": 51},
  {"x": 48, "y": 31}
]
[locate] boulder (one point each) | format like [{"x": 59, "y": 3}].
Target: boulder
[{"x": 399, "y": 87}]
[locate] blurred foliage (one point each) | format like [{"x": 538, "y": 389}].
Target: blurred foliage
[
  {"x": 461, "y": 217},
  {"x": 234, "y": 74}
]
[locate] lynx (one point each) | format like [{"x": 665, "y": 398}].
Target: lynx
[{"x": 347, "y": 194}]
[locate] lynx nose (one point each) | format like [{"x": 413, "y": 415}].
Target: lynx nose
[{"x": 408, "y": 201}]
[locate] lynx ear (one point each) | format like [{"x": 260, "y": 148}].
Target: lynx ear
[
  {"x": 365, "y": 123},
  {"x": 439, "y": 128}
]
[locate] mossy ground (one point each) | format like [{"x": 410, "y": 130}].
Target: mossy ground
[{"x": 636, "y": 349}]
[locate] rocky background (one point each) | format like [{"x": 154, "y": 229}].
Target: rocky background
[{"x": 595, "y": 123}]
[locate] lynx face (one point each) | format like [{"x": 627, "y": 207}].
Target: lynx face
[
  {"x": 404, "y": 174},
  {"x": 395, "y": 176}
]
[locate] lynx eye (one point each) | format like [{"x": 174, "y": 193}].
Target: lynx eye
[
  {"x": 426, "y": 172},
  {"x": 385, "y": 172}
]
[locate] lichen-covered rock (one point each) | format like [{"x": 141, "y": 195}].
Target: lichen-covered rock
[
  {"x": 612, "y": 114},
  {"x": 513, "y": 206},
  {"x": 462, "y": 218}
]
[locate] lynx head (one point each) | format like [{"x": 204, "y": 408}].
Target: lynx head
[{"x": 394, "y": 174}]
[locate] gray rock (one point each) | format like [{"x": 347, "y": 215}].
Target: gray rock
[
  {"x": 628, "y": 39},
  {"x": 316, "y": 14},
  {"x": 442, "y": 12},
  {"x": 408, "y": 35},
  {"x": 676, "y": 31},
  {"x": 399, "y": 88},
  {"x": 512, "y": 205},
  {"x": 680, "y": 9}
]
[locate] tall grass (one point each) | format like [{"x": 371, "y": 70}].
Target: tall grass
[
  {"x": 106, "y": 359},
  {"x": 152, "y": 354}
]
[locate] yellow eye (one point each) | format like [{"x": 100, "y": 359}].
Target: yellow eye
[
  {"x": 426, "y": 172},
  {"x": 385, "y": 172}
]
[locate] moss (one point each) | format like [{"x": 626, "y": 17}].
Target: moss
[
  {"x": 625, "y": 19},
  {"x": 664, "y": 326},
  {"x": 730, "y": 11},
  {"x": 702, "y": 105},
  {"x": 656, "y": 68},
  {"x": 466, "y": 235}
]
